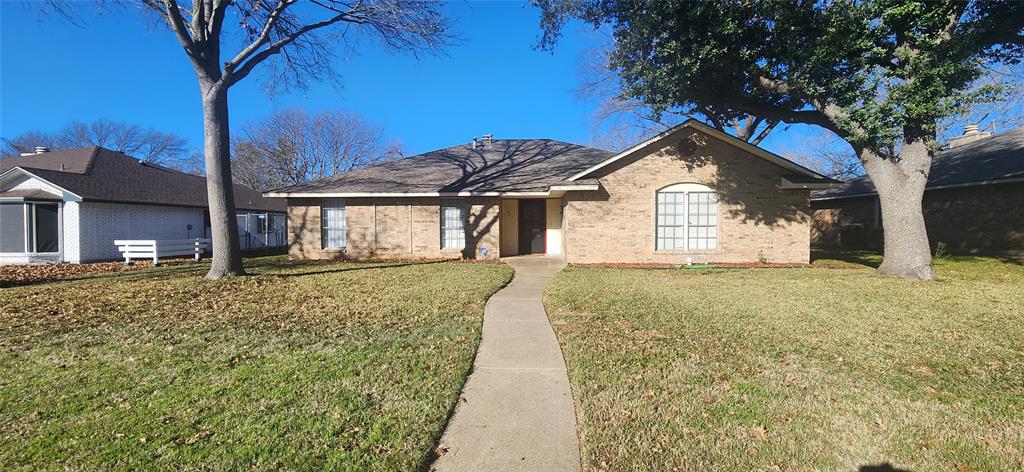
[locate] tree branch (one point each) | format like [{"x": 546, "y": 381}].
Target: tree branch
[
  {"x": 764, "y": 133},
  {"x": 177, "y": 23},
  {"x": 263, "y": 37},
  {"x": 954, "y": 19},
  {"x": 247, "y": 67}
]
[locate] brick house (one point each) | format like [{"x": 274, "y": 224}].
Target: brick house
[
  {"x": 691, "y": 193},
  {"x": 70, "y": 206},
  {"x": 973, "y": 203}
]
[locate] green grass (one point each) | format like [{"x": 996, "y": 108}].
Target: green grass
[
  {"x": 796, "y": 369},
  {"x": 300, "y": 366}
]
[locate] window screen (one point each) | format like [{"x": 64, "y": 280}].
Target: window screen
[
  {"x": 335, "y": 226},
  {"x": 46, "y": 227},
  {"x": 12, "y": 227},
  {"x": 453, "y": 228}
]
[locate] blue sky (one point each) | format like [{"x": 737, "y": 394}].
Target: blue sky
[{"x": 117, "y": 67}]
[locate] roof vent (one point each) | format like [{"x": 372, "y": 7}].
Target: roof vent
[
  {"x": 473, "y": 143},
  {"x": 971, "y": 134},
  {"x": 488, "y": 139},
  {"x": 42, "y": 149}
]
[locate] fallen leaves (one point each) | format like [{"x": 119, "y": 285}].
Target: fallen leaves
[{"x": 13, "y": 275}]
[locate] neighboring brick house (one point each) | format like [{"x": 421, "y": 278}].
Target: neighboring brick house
[
  {"x": 70, "y": 206},
  {"x": 691, "y": 193},
  {"x": 973, "y": 204}
]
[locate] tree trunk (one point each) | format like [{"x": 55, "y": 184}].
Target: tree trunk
[
  {"x": 227, "y": 253},
  {"x": 900, "y": 189}
]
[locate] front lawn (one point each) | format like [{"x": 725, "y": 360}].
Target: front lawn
[
  {"x": 300, "y": 366},
  {"x": 796, "y": 369}
]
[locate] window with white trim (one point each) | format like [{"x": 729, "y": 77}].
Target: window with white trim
[
  {"x": 29, "y": 227},
  {"x": 453, "y": 227},
  {"x": 333, "y": 221},
  {"x": 687, "y": 218}
]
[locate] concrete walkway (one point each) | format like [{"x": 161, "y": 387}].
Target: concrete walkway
[{"x": 516, "y": 410}]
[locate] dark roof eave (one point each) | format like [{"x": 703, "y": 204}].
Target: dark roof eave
[
  {"x": 930, "y": 187},
  {"x": 177, "y": 205}
]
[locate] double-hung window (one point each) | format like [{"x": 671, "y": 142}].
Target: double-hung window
[
  {"x": 453, "y": 227},
  {"x": 335, "y": 226},
  {"x": 687, "y": 218}
]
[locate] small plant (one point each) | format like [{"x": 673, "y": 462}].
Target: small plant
[
  {"x": 763, "y": 259},
  {"x": 941, "y": 250}
]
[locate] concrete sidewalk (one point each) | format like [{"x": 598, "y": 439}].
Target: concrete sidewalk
[{"x": 516, "y": 411}]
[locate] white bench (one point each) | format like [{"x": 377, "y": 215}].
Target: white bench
[{"x": 157, "y": 248}]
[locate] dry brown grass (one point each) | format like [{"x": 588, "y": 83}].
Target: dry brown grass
[{"x": 301, "y": 366}]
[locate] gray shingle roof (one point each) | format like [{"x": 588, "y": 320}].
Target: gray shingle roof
[
  {"x": 101, "y": 174},
  {"x": 506, "y": 165},
  {"x": 999, "y": 157}
]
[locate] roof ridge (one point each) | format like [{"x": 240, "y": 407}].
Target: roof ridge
[{"x": 91, "y": 161}]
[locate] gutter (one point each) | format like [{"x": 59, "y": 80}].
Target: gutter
[
  {"x": 932, "y": 187},
  {"x": 555, "y": 190}
]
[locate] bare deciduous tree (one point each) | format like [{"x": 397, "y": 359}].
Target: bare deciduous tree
[
  {"x": 826, "y": 154},
  {"x": 1004, "y": 111},
  {"x": 296, "y": 40},
  {"x": 293, "y": 146},
  {"x": 620, "y": 122},
  {"x": 147, "y": 144},
  {"x": 27, "y": 142}
]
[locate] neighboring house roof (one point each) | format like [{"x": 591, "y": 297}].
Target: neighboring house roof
[
  {"x": 995, "y": 159},
  {"x": 802, "y": 177},
  {"x": 506, "y": 166},
  {"x": 509, "y": 167},
  {"x": 99, "y": 174}
]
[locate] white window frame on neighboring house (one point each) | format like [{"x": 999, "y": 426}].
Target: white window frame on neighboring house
[
  {"x": 686, "y": 218},
  {"x": 333, "y": 224},
  {"x": 453, "y": 226}
]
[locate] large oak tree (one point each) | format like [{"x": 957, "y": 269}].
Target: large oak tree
[{"x": 880, "y": 74}]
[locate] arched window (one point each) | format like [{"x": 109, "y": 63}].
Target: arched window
[{"x": 687, "y": 218}]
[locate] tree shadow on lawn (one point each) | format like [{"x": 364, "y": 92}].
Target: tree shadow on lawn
[
  {"x": 874, "y": 259},
  {"x": 362, "y": 266},
  {"x": 862, "y": 258},
  {"x": 883, "y": 467}
]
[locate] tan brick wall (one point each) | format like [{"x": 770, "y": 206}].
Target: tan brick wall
[
  {"x": 850, "y": 223},
  {"x": 756, "y": 218},
  {"x": 392, "y": 228},
  {"x": 983, "y": 219}
]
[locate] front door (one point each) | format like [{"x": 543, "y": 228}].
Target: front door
[{"x": 531, "y": 226}]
